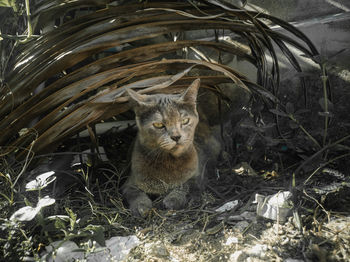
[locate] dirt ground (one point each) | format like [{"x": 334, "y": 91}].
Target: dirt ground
[
  {"x": 202, "y": 234},
  {"x": 317, "y": 228}
]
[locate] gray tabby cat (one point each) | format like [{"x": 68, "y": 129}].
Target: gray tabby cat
[{"x": 165, "y": 159}]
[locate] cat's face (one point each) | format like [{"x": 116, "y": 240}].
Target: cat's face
[{"x": 167, "y": 123}]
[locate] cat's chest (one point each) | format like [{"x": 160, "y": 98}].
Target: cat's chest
[
  {"x": 174, "y": 172},
  {"x": 164, "y": 173}
]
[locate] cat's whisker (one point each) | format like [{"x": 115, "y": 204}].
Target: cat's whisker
[
  {"x": 152, "y": 153},
  {"x": 158, "y": 156}
]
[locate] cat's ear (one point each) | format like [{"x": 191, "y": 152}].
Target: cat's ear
[
  {"x": 136, "y": 98},
  {"x": 190, "y": 95}
]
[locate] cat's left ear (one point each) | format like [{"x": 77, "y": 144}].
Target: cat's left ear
[
  {"x": 136, "y": 98},
  {"x": 190, "y": 95}
]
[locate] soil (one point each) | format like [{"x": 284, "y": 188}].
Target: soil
[
  {"x": 318, "y": 228},
  {"x": 198, "y": 233}
]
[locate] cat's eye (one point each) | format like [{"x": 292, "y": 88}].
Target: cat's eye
[
  {"x": 158, "y": 125},
  {"x": 185, "y": 121}
]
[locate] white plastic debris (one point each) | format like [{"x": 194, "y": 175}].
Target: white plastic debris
[
  {"x": 121, "y": 246},
  {"x": 258, "y": 250},
  {"x": 246, "y": 215},
  {"x": 27, "y": 213},
  {"x": 231, "y": 240},
  {"x": 45, "y": 201},
  {"x": 41, "y": 181},
  {"x": 86, "y": 157},
  {"x": 238, "y": 256},
  {"x": 156, "y": 249},
  {"x": 231, "y": 218},
  {"x": 241, "y": 226},
  {"x": 275, "y": 207},
  {"x": 244, "y": 169},
  {"x": 102, "y": 128},
  {"x": 63, "y": 251},
  {"x": 117, "y": 249},
  {"x": 250, "y": 216},
  {"x": 227, "y": 206}
]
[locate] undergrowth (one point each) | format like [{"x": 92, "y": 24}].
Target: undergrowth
[
  {"x": 83, "y": 203},
  {"x": 300, "y": 146}
]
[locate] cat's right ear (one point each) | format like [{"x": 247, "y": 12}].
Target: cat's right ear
[
  {"x": 136, "y": 99},
  {"x": 190, "y": 95}
]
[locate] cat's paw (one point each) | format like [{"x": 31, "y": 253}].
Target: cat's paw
[
  {"x": 175, "y": 200},
  {"x": 141, "y": 206},
  {"x": 195, "y": 199}
]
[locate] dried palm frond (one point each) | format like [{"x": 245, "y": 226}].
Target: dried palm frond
[{"x": 68, "y": 78}]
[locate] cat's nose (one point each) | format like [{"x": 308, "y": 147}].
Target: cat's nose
[{"x": 176, "y": 138}]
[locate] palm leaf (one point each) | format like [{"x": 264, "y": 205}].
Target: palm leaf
[{"x": 92, "y": 84}]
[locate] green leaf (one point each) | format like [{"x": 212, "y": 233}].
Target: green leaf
[
  {"x": 59, "y": 224},
  {"x": 289, "y": 108},
  {"x": 97, "y": 234},
  {"x": 293, "y": 125},
  {"x": 326, "y": 114},
  {"x": 8, "y": 3},
  {"x": 322, "y": 104},
  {"x": 72, "y": 216},
  {"x": 278, "y": 112},
  {"x": 302, "y": 111}
]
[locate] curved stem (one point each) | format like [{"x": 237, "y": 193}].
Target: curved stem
[
  {"x": 320, "y": 152},
  {"x": 323, "y": 165},
  {"x": 305, "y": 131},
  {"x": 29, "y": 24},
  {"x": 325, "y": 99}
]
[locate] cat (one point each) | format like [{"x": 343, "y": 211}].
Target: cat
[{"x": 171, "y": 149}]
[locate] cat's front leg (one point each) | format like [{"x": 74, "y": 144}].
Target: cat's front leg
[
  {"x": 139, "y": 203},
  {"x": 177, "y": 198}
]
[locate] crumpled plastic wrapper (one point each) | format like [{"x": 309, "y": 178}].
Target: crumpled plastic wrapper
[
  {"x": 244, "y": 169},
  {"x": 228, "y": 206},
  {"x": 275, "y": 207},
  {"x": 117, "y": 249}
]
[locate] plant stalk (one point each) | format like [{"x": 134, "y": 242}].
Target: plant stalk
[
  {"x": 319, "y": 152},
  {"x": 325, "y": 164},
  {"x": 29, "y": 24},
  {"x": 325, "y": 99},
  {"x": 305, "y": 131}
]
